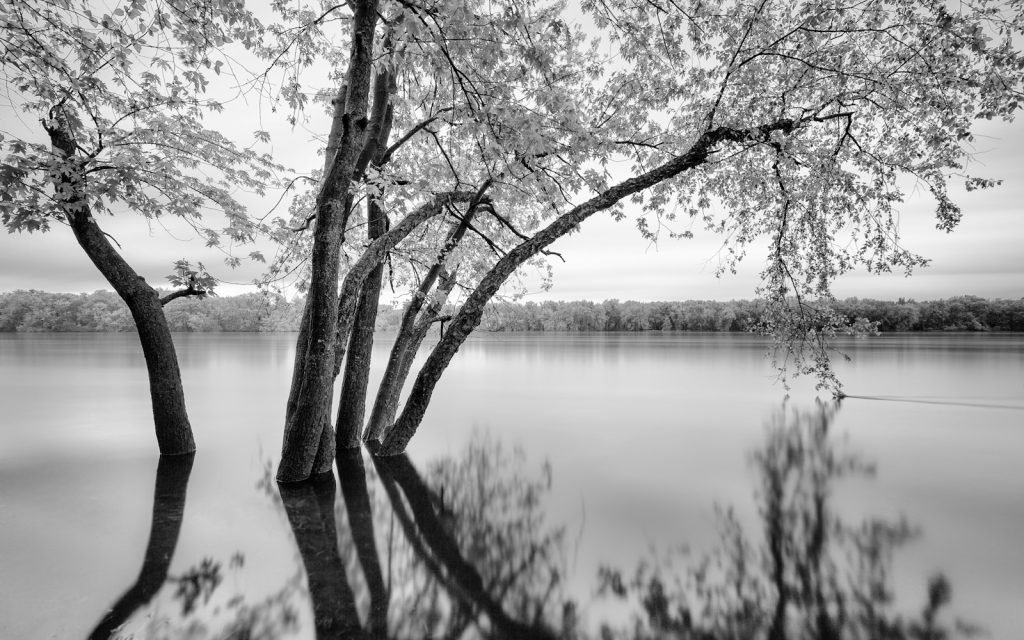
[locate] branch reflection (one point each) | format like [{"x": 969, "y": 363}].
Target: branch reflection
[
  {"x": 462, "y": 549},
  {"x": 808, "y": 573}
]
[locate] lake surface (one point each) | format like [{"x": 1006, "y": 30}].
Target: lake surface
[{"x": 548, "y": 466}]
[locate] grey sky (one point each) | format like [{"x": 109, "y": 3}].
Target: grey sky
[{"x": 606, "y": 259}]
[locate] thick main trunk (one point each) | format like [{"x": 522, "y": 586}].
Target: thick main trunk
[
  {"x": 469, "y": 315},
  {"x": 307, "y": 447}
]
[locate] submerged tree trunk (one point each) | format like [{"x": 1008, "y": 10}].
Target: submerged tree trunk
[
  {"x": 308, "y": 446},
  {"x": 352, "y": 403},
  {"x": 173, "y": 431}
]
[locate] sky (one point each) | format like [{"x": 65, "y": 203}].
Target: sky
[{"x": 605, "y": 259}]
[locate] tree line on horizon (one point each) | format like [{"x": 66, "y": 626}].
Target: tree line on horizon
[{"x": 103, "y": 311}]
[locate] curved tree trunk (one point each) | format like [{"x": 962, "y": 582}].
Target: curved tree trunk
[
  {"x": 468, "y": 317},
  {"x": 173, "y": 431}
]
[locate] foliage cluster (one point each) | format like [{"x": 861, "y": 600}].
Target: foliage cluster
[{"x": 38, "y": 311}]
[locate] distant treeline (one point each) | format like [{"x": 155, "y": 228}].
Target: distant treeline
[{"x": 104, "y": 311}]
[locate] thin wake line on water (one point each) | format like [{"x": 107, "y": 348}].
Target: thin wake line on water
[{"x": 927, "y": 400}]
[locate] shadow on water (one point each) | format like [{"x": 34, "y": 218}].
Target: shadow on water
[{"x": 463, "y": 550}]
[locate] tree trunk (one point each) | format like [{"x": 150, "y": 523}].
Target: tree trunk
[
  {"x": 410, "y": 337},
  {"x": 472, "y": 310},
  {"x": 173, "y": 431},
  {"x": 411, "y": 334},
  {"x": 352, "y": 404},
  {"x": 307, "y": 450}
]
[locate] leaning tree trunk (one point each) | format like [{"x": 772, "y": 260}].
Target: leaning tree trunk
[
  {"x": 412, "y": 332},
  {"x": 469, "y": 315},
  {"x": 173, "y": 431}
]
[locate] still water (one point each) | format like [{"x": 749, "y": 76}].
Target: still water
[{"x": 560, "y": 484}]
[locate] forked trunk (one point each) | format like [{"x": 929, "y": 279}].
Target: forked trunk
[{"x": 411, "y": 335}]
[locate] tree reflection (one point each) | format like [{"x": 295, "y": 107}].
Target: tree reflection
[
  {"x": 810, "y": 575},
  {"x": 475, "y": 563},
  {"x": 462, "y": 550},
  {"x": 172, "y": 474}
]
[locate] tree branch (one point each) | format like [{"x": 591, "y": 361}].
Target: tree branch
[{"x": 181, "y": 293}]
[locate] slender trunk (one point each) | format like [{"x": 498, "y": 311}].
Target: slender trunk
[
  {"x": 170, "y": 418},
  {"x": 352, "y": 403},
  {"x": 307, "y": 450},
  {"x": 172, "y": 475},
  {"x": 409, "y": 339},
  {"x": 472, "y": 310}
]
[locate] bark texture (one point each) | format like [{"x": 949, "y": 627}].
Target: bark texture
[
  {"x": 307, "y": 449},
  {"x": 352, "y": 403}
]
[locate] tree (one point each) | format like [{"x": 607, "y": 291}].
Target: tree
[
  {"x": 791, "y": 124},
  {"x": 119, "y": 102}
]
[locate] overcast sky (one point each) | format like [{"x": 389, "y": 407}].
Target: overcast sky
[{"x": 605, "y": 259}]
